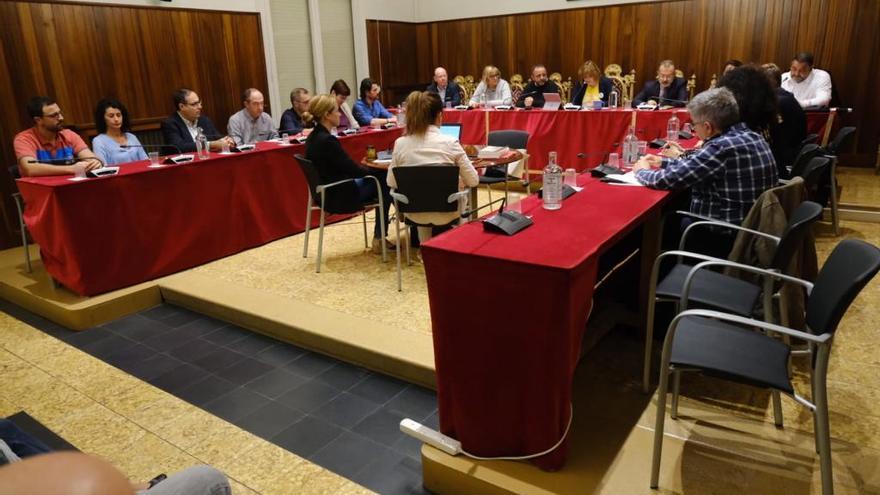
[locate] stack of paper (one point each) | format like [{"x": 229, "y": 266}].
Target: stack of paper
[{"x": 492, "y": 152}]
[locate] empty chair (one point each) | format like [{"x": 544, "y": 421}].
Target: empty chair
[
  {"x": 683, "y": 284},
  {"x": 496, "y": 175},
  {"x": 317, "y": 192},
  {"x": 807, "y": 153},
  {"x": 810, "y": 139},
  {"x": 429, "y": 188},
  {"x": 828, "y": 186},
  {"x": 844, "y": 136},
  {"x": 727, "y": 346}
]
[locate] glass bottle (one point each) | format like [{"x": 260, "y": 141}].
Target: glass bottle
[
  {"x": 672, "y": 128},
  {"x": 630, "y": 147},
  {"x": 201, "y": 144},
  {"x": 552, "y": 189}
]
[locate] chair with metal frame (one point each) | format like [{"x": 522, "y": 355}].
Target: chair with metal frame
[
  {"x": 318, "y": 190},
  {"x": 430, "y": 188},
  {"x": 728, "y": 347},
  {"x": 807, "y": 152},
  {"x": 841, "y": 140},
  {"x": 19, "y": 205},
  {"x": 512, "y": 139},
  {"x": 721, "y": 291}
]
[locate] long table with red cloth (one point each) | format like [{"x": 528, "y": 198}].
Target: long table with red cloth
[
  {"x": 101, "y": 234},
  {"x": 581, "y": 139},
  {"x": 505, "y": 368}
]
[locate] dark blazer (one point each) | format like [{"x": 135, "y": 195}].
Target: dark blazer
[
  {"x": 605, "y": 87},
  {"x": 175, "y": 132},
  {"x": 537, "y": 94},
  {"x": 334, "y": 164},
  {"x": 676, "y": 91},
  {"x": 786, "y": 136},
  {"x": 453, "y": 92}
]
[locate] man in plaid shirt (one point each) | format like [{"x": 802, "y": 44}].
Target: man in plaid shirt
[{"x": 727, "y": 174}]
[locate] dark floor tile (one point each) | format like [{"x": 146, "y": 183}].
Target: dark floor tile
[
  {"x": 194, "y": 349},
  {"x": 201, "y": 326},
  {"x": 137, "y": 327},
  {"x": 348, "y": 454},
  {"x": 343, "y": 376},
  {"x": 346, "y": 410},
  {"x": 392, "y": 474},
  {"x": 307, "y": 436},
  {"x": 159, "y": 312},
  {"x": 409, "y": 446},
  {"x": 382, "y": 426},
  {"x": 202, "y": 392},
  {"x": 235, "y": 405},
  {"x": 86, "y": 337},
  {"x": 280, "y": 354},
  {"x": 310, "y": 364},
  {"x": 414, "y": 402},
  {"x": 378, "y": 388},
  {"x": 152, "y": 367},
  {"x": 166, "y": 341},
  {"x": 270, "y": 419},
  {"x": 245, "y": 371},
  {"x": 219, "y": 359},
  {"x": 308, "y": 396},
  {"x": 275, "y": 383},
  {"x": 128, "y": 357},
  {"x": 253, "y": 344},
  {"x": 111, "y": 344},
  {"x": 179, "y": 378},
  {"x": 433, "y": 421},
  {"x": 180, "y": 318},
  {"x": 226, "y": 335}
]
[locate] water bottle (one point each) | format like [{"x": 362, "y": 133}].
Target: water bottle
[
  {"x": 552, "y": 190},
  {"x": 613, "y": 99},
  {"x": 630, "y": 147},
  {"x": 672, "y": 128},
  {"x": 201, "y": 144}
]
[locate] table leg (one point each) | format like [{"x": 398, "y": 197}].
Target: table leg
[{"x": 652, "y": 231}]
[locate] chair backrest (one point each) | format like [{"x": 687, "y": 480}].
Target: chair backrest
[
  {"x": 814, "y": 171},
  {"x": 841, "y": 140},
  {"x": 851, "y": 265},
  {"x": 427, "y": 187},
  {"x": 810, "y": 139},
  {"x": 807, "y": 153},
  {"x": 792, "y": 238},
  {"x": 512, "y": 139},
  {"x": 14, "y": 172},
  {"x": 311, "y": 173}
]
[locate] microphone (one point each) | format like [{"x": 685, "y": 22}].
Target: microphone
[
  {"x": 661, "y": 99},
  {"x": 151, "y": 147},
  {"x": 468, "y": 213}
]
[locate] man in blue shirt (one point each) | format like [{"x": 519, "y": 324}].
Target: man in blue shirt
[
  {"x": 291, "y": 119},
  {"x": 368, "y": 110},
  {"x": 726, "y": 175}
]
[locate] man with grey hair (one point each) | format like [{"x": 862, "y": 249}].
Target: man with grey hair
[
  {"x": 726, "y": 175},
  {"x": 666, "y": 90},
  {"x": 251, "y": 123}
]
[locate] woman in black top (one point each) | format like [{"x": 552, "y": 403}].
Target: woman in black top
[{"x": 334, "y": 164}]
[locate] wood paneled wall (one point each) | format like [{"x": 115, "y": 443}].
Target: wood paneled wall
[
  {"x": 699, "y": 35},
  {"x": 80, "y": 53}
]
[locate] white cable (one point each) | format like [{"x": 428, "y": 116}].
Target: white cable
[{"x": 530, "y": 456}]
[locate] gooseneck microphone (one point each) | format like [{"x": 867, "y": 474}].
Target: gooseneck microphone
[{"x": 151, "y": 147}]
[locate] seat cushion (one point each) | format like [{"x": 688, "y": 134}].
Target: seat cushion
[
  {"x": 711, "y": 289},
  {"x": 731, "y": 352}
]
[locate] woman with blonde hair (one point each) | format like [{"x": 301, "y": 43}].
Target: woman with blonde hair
[
  {"x": 334, "y": 164},
  {"x": 424, "y": 144},
  {"x": 593, "y": 86},
  {"x": 494, "y": 90}
]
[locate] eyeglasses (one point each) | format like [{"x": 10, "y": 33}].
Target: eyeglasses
[
  {"x": 53, "y": 115},
  {"x": 494, "y": 76},
  {"x": 195, "y": 104}
]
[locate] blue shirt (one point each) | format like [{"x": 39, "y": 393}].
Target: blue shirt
[
  {"x": 726, "y": 175},
  {"x": 110, "y": 152},
  {"x": 364, "y": 113},
  {"x": 291, "y": 123}
]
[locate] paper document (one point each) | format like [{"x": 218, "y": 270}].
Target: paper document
[{"x": 628, "y": 178}]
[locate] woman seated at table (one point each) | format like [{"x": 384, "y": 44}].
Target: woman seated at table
[
  {"x": 593, "y": 86},
  {"x": 334, "y": 164},
  {"x": 424, "y": 144},
  {"x": 112, "y": 124},
  {"x": 368, "y": 110},
  {"x": 492, "y": 90},
  {"x": 341, "y": 91}
]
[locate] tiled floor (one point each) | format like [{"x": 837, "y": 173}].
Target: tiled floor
[{"x": 341, "y": 417}]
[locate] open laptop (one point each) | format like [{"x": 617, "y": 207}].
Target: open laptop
[
  {"x": 552, "y": 101},
  {"x": 453, "y": 130}
]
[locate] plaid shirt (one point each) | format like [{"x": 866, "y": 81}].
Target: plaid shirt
[{"x": 726, "y": 175}]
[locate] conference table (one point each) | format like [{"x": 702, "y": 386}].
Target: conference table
[{"x": 100, "y": 234}]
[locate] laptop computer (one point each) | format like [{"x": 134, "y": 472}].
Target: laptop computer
[
  {"x": 453, "y": 130},
  {"x": 552, "y": 101}
]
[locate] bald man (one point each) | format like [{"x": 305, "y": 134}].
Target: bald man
[{"x": 450, "y": 93}]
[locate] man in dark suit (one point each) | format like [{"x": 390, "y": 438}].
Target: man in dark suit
[
  {"x": 181, "y": 128},
  {"x": 666, "y": 90},
  {"x": 449, "y": 92}
]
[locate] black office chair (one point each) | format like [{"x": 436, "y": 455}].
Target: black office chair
[
  {"x": 19, "y": 205},
  {"x": 844, "y": 136},
  {"x": 495, "y": 175},
  {"x": 684, "y": 285},
  {"x": 807, "y": 153},
  {"x": 318, "y": 190},
  {"x": 812, "y": 174},
  {"x": 810, "y": 139},
  {"x": 727, "y": 346},
  {"x": 422, "y": 189},
  {"x": 828, "y": 185}
]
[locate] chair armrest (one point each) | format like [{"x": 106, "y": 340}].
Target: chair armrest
[
  {"x": 400, "y": 198},
  {"x": 749, "y": 322},
  {"x": 458, "y": 195},
  {"x": 716, "y": 223},
  {"x": 655, "y": 270},
  {"x": 320, "y": 189},
  {"x": 696, "y": 215},
  {"x": 747, "y": 268}
]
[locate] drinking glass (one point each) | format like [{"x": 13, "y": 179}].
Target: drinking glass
[
  {"x": 614, "y": 160},
  {"x": 154, "y": 158}
]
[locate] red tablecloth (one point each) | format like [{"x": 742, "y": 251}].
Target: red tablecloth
[
  {"x": 102, "y": 234},
  {"x": 508, "y": 314}
]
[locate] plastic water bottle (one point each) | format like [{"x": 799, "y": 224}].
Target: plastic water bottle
[
  {"x": 630, "y": 147},
  {"x": 201, "y": 145},
  {"x": 552, "y": 184},
  {"x": 613, "y": 98},
  {"x": 672, "y": 128}
]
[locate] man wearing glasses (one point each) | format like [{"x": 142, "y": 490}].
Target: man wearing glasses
[
  {"x": 182, "y": 127},
  {"x": 291, "y": 119},
  {"x": 49, "y": 149}
]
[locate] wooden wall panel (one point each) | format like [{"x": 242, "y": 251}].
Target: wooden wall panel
[
  {"x": 80, "y": 53},
  {"x": 698, "y": 34}
]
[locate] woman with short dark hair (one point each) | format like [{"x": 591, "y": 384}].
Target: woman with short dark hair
[{"x": 115, "y": 144}]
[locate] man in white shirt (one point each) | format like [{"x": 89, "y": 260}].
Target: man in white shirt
[{"x": 811, "y": 87}]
